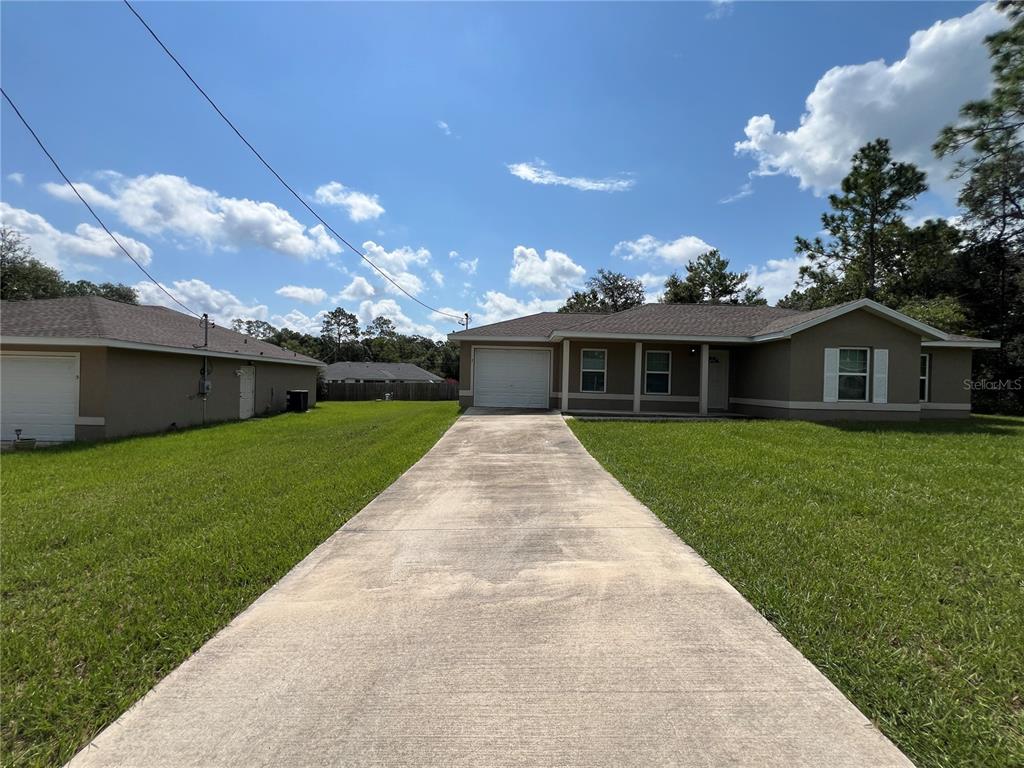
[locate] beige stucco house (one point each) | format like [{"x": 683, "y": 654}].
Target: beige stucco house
[
  {"x": 87, "y": 368},
  {"x": 858, "y": 360}
]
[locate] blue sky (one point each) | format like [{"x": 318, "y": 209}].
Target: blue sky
[{"x": 490, "y": 156}]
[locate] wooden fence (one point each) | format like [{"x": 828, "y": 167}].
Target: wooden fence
[{"x": 417, "y": 390}]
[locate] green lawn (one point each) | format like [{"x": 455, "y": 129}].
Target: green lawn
[
  {"x": 119, "y": 560},
  {"x": 891, "y": 556}
]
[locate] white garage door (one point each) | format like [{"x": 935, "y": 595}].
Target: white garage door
[
  {"x": 39, "y": 396},
  {"x": 511, "y": 378}
]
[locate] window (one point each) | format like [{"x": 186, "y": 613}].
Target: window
[
  {"x": 926, "y": 370},
  {"x": 657, "y": 373},
  {"x": 592, "y": 370},
  {"x": 853, "y": 374}
]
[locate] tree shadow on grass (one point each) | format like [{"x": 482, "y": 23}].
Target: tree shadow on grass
[{"x": 975, "y": 425}]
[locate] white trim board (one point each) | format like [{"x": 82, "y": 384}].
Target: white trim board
[
  {"x": 842, "y": 405},
  {"x": 952, "y": 344},
  {"x": 643, "y": 398},
  {"x": 55, "y": 341}
]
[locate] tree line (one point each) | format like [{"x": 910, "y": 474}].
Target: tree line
[
  {"x": 342, "y": 340},
  {"x": 23, "y": 276},
  {"x": 964, "y": 275}
]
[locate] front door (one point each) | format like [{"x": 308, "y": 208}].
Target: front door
[
  {"x": 718, "y": 379},
  {"x": 246, "y": 391}
]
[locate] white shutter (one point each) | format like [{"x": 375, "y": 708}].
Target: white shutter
[
  {"x": 880, "y": 379},
  {"x": 831, "y": 375}
]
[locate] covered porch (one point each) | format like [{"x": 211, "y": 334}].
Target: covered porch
[{"x": 650, "y": 378}]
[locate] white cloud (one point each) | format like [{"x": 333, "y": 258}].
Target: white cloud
[
  {"x": 778, "y": 276},
  {"x": 745, "y": 190},
  {"x": 390, "y": 308},
  {"x": 719, "y": 9},
  {"x": 438, "y": 277},
  {"x": 444, "y": 127},
  {"x": 654, "y": 286},
  {"x": 165, "y": 204},
  {"x": 60, "y": 249},
  {"x": 496, "y": 306},
  {"x": 444, "y": 315},
  {"x": 649, "y": 248},
  {"x": 17, "y": 177},
  {"x": 299, "y": 321},
  {"x": 222, "y": 306},
  {"x": 555, "y": 272},
  {"x": 360, "y": 206},
  {"x": 398, "y": 264},
  {"x": 907, "y": 102},
  {"x": 302, "y": 293},
  {"x": 466, "y": 265},
  {"x": 358, "y": 290},
  {"x": 538, "y": 172}
]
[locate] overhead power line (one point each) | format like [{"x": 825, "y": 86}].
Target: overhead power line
[
  {"x": 278, "y": 176},
  {"x": 74, "y": 189}
]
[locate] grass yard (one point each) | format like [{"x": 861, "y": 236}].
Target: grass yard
[
  {"x": 119, "y": 560},
  {"x": 891, "y": 556}
]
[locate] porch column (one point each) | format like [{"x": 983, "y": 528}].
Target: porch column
[
  {"x": 638, "y": 369},
  {"x": 704, "y": 362},
  {"x": 565, "y": 374}
]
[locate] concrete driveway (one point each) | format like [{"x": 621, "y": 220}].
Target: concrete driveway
[{"x": 505, "y": 603}]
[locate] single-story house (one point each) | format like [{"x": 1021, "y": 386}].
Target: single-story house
[
  {"x": 86, "y": 368},
  {"x": 389, "y": 373},
  {"x": 858, "y": 360}
]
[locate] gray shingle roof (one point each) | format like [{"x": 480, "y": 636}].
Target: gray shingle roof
[
  {"x": 677, "y": 320},
  {"x": 541, "y": 324},
  {"x": 92, "y": 317},
  {"x": 668, "y": 319},
  {"x": 691, "y": 320},
  {"x": 378, "y": 371}
]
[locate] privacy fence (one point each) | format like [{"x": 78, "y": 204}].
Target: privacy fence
[{"x": 417, "y": 390}]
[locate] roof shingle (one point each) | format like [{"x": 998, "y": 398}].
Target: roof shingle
[
  {"x": 378, "y": 371},
  {"x": 93, "y": 317}
]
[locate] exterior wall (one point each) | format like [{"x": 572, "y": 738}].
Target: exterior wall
[
  {"x": 948, "y": 397},
  {"x": 855, "y": 329},
  {"x": 154, "y": 391},
  {"x": 761, "y": 371},
  {"x": 787, "y": 377}
]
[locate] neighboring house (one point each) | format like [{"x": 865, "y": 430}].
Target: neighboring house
[
  {"x": 390, "y": 373},
  {"x": 87, "y": 368},
  {"x": 858, "y": 360}
]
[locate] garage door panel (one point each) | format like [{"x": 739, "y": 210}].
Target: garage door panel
[
  {"x": 512, "y": 378},
  {"x": 39, "y": 395}
]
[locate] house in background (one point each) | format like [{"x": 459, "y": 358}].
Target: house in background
[
  {"x": 86, "y": 368},
  {"x": 858, "y": 360},
  {"x": 376, "y": 373}
]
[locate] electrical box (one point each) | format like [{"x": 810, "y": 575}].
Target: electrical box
[{"x": 205, "y": 385}]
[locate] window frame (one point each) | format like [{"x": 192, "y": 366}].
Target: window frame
[
  {"x": 866, "y": 375},
  {"x": 603, "y": 371},
  {"x": 927, "y": 378},
  {"x": 659, "y": 373}
]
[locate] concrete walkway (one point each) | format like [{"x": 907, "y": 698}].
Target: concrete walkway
[{"x": 504, "y": 603}]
